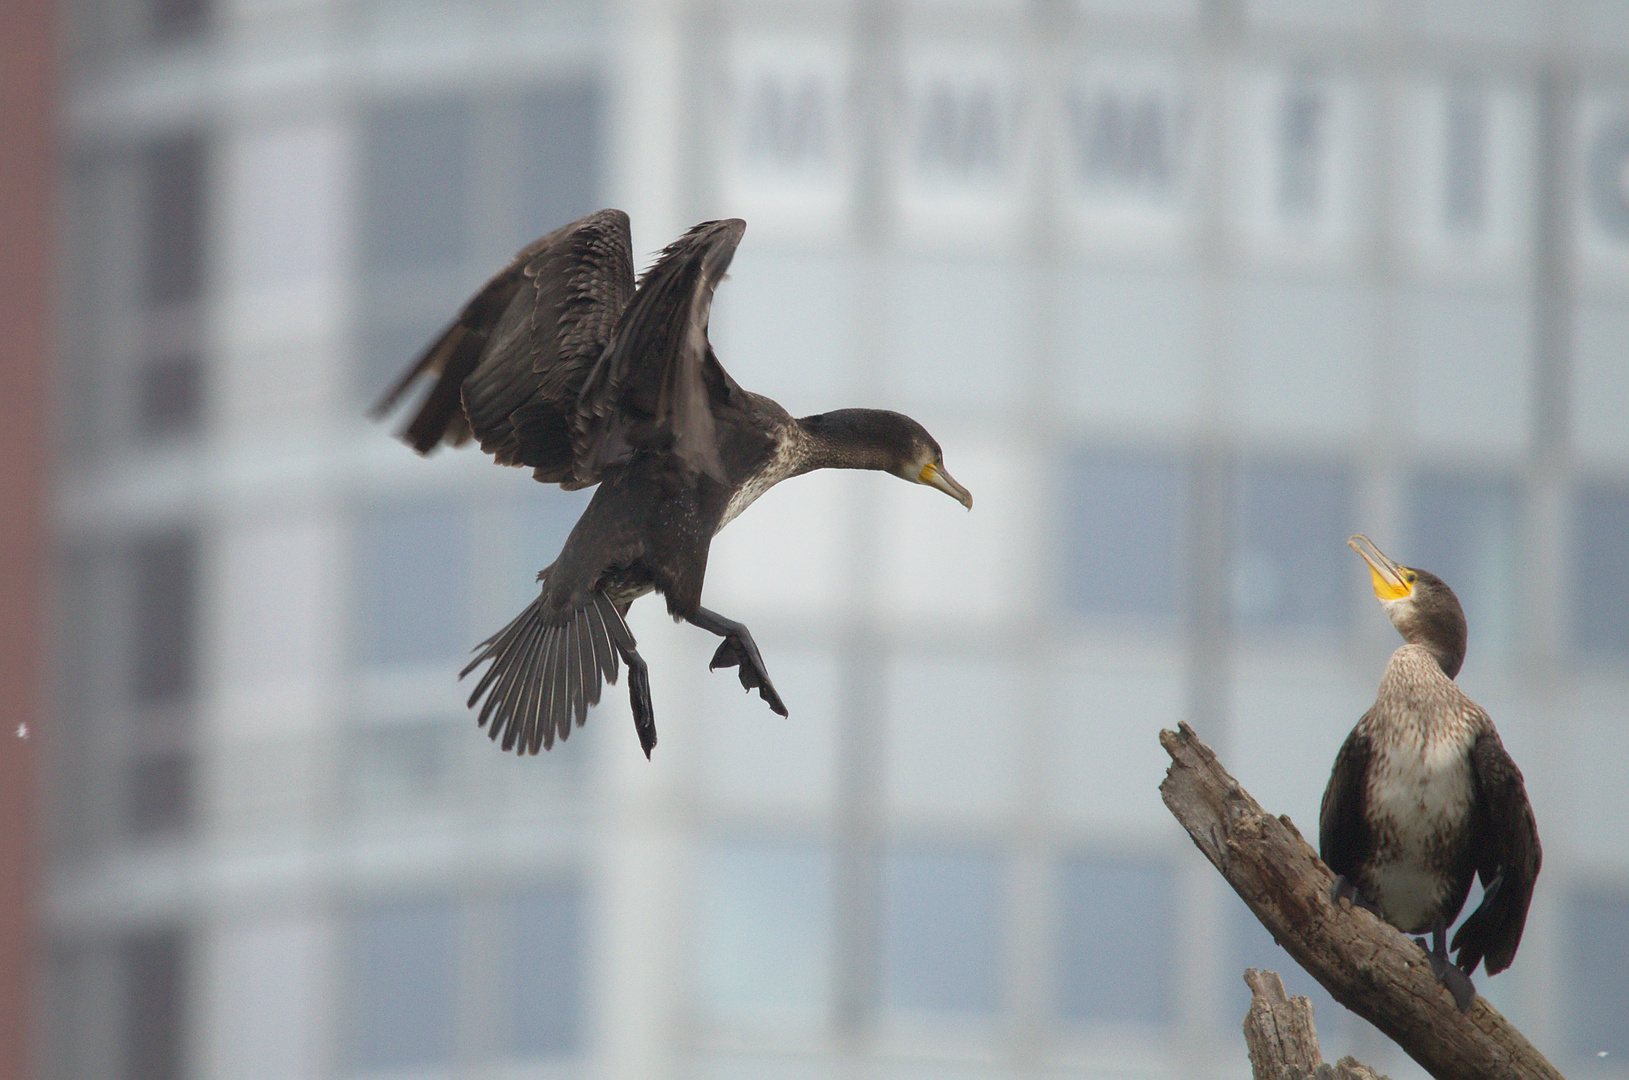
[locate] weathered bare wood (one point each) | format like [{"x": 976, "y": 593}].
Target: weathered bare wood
[
  {"x": 1282, "y": 1039},
  {"x": 1365, "y": 964}
]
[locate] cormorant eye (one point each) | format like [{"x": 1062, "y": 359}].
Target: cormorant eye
[{"x": 1410, "y": 576}]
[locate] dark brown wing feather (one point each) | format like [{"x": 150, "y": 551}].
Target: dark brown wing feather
[
  {"x": 1343, "y": 831},
  {"x": 1510, "y": 853},
  {"x": 547, "y": 669},
  {"x": 654, "y": 386},
  {"x": 510, "y": 367}
]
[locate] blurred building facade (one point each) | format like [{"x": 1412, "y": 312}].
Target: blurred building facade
[{"x": 1189, "y": 291}]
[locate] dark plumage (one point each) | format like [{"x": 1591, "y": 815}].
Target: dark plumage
[
  {"x": 561, "y": 364},
  {"x": 1423, "y": 796}
]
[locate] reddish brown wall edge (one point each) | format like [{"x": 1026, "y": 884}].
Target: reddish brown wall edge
[{"x": 27, "y": 169}]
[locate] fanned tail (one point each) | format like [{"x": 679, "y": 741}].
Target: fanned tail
[{"x": 546, "y": 671}]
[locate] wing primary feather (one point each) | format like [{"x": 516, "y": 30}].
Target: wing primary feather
[
  {"x": 588, "y": 675},
  {"x": 507, "y": 668},
  {"x": 605, "y": 652},
  {"x": 514, "y": 704},
  {"x": 579, "y": 673}
]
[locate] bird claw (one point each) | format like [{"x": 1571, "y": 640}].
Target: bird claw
[
  {"x": 1348, "y": 890},
  {"x": 733, "y": 651},
  {"x": 1448, "y": 974}
]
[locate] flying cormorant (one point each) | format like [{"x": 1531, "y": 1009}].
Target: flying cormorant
[
  {"x": 563, "y": 364},
  {"x": 1423, "y": 796}
]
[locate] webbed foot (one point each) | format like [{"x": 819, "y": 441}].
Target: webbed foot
[
  {"x": 742, "y": 651},
  {"x": 738, "y": 650},
  {"x": 1447, "y": 972}
]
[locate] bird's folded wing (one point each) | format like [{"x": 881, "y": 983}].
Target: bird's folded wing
[
  {"x": 1343, "y": 830},
  {"x": 1510, "y": 854}
]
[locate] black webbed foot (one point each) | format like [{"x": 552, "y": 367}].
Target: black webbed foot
[
  {"x": 739, "y": 650},
  {"x": 734, "y": 651},
  {"x": 1447, "y": 972}
]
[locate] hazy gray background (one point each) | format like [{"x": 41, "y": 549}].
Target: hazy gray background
[{"x": 1189, "y": 292}]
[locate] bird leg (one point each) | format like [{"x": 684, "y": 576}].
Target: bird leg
[
  {"x": 1347, "y": 889},
  {"x": 1457, "y": 982},
  {"x": 738, "y": 648},
  {"x": 644, "y": 717}
]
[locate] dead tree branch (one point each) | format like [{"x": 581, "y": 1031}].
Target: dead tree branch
[
  {"x": 1366, "y": 964},
  {"x": 1282, "y": 1039}
]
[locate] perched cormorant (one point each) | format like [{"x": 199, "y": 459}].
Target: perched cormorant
[
  {"x": 1423, "y": 796},
  {"x": 563, "y": 364}
]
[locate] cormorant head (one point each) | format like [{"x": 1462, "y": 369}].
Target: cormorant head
[
  {"x": 1420, "y": 605},
  {"x": 889, "y": 441}
]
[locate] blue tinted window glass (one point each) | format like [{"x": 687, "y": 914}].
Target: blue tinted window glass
[
  {"x": 1601, "y": 570},
  {"x": 543, "y": 949},
  {"x": 415, "y": 183},
  {"x": 561, "y": 163},
  {"x": 412, "y": 570},
  {"x": 1122, "y": 518},
  {"x": 768, "y": 913},
  {"x": 1598, "y": 975},
  {"x": 1114, "y": 940},
  {"x": 942, "y": 919},
  {"x": 1292, "y": 568},
  {"x": 401, "y": 986}
]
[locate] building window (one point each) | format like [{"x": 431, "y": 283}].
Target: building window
[
  {"x": 412, "y": 572},
  {"x": 416, "y": 173},
  {"x": 401, "y": 985},
  {"x": 1123, "y": 520},
  {"x": 161, "y": 628},
  {"x": 1463, "y": 529},
  {"x": 1291, "y": 570},
  {"x": 1601, "y": 570},
  {"x": 1608, "y": 158},
  {"x": 155, "y": 983},
  {"x": 768, "y": 931},
  {"x": 164, "y": 615},
  {"x": 177, "y": 21},
  {"x": 561, "y": 164},
  {"x": 1464, "y": 182},
  {"x": 168, "y": 387},
  {"x": 1115, "y": 935},
  {"x": 942, "y": 933},
  {"x": 174, "y": 172},
  {"x": 1302, "y": 121},
  {"x": 543, "y": 934},
  {"x": 1598, "y": 976}
]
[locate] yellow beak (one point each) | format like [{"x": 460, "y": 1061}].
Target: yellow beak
[
  {"x": 934, "y": 476},
  {"x": 1390, "y": 579}
]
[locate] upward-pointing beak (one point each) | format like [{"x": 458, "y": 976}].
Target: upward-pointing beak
[
  {"x": 1390, "y": 579},
  {"x": 935, "y": 476}
]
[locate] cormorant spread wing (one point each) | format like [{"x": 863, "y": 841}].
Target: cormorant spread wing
[
  {"x": 510, "y": 368},
  {"x": 655, "y": 386}
]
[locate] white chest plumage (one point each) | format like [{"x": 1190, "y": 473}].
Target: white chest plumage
[
  {"x": 1419, "y": 792},
  {"x": 789, "y": 454}
]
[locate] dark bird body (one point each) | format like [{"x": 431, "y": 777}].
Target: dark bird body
[
  {"x": 561, "y": 364},
  {"x": 1423, "y": 796}
]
